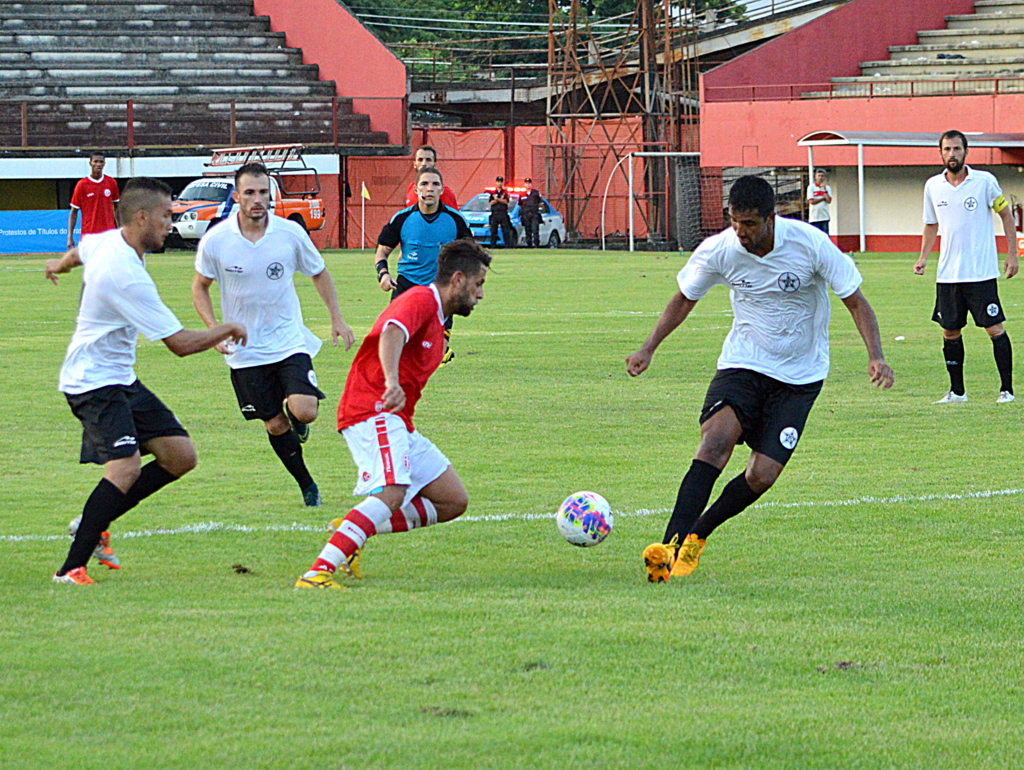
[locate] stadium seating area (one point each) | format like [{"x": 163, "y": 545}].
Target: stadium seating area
[
  {"x": 976, "y": 53},
  {"x": 197, "y": 72}
]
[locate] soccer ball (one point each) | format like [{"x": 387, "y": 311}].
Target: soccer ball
[{"x": 584, "y": 519}]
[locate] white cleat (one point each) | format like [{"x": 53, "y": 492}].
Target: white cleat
[
  {"x": 952, "y": 398},
  {"x": 1005, "y": 397}
]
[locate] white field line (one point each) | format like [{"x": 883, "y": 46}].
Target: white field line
[{"x": 214, "y": 526}]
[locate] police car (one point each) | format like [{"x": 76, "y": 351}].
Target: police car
[{"x": 477, "y": 213}]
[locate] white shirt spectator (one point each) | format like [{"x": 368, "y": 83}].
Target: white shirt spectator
[
  {"x": 257, "y": 287},
  {"x": 780, "y": 305},
  {"x": 967, "y": 250},
  {"x": 119, "y": 300},
  {"x": 817, "y": 208}
]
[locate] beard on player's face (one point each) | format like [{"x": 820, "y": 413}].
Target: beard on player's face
[{"x": 954, "y": 164}]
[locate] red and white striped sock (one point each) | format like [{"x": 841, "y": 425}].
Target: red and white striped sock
[
  {"x": 418, "y": 512},
  {"x": 361, "y": 523}
]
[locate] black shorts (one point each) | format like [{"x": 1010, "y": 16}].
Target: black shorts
[
  {"x": 261, "y": 390},
  {"x": 953, "y": 300},
  {"x": 772, "y": 414},
  {"x": 119, "y": 420},
  {"x": 403, "y": 284}
]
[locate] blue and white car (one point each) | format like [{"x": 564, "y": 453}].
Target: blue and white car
[{"x": 477, "y": 213}]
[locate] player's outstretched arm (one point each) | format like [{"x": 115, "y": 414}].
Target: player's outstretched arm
[
  {"x": 204, "y": 306},
  {"x": 325, "y": 288},
  {"x": 392, "y": 340},
  {"x": 186, "y": 342},
  {"x": 1012, "y": 264},
  {"x": 675, "y": 313},
  {"x": 387, "y": 283},
  {"x": 931, "y": 232},
  {"x": 55, "y": 267},
  {"x": 881, "y": 373}
]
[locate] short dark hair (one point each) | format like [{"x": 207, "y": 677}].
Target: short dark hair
[
  {"x": 428, "y": 170},
  {"x": 464, "y": 256},
  {"x": 141, "y": 193},
  {"x": 93, "y": 156},
  {"x": 752, "y": 193},
  {"x": 252, "y": 169},
  {"x": 429, "y": 149},
  {"x": 952, "y": 134}
]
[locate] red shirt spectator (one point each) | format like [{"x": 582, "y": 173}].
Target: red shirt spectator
[{"x": 95, "y": 196}]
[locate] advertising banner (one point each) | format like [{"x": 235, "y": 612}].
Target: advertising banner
[{"x": 35, "y": 232}]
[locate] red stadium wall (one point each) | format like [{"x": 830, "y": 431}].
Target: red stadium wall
[
  {"x": 834, "y": 45},
  {"x": 363, "y": 68}
]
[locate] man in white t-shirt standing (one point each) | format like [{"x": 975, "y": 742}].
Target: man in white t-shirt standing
[
  {"x": 773, "y": 363},
  {"x": 119, "y": 415},
  {"x": 819, "y": 196},
  {"x": 957, "y": 202},
  {"x": 253, "y": 256}
]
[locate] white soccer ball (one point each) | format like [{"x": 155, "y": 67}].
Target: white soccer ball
[{"x": 584, "y": 519}]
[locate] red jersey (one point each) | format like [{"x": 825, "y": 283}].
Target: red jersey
[
  {"x": 418, "y": 313},
  {"x": 447, "y": 197},
  {"x": 96, "y": 200}
]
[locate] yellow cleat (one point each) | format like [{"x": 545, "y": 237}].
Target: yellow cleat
[
  {"x": 352, "y": 568},
  {"x": 319, "y": 580},
  {"x": 688, "y": 555},
  {"x": 658, "y": 557}
]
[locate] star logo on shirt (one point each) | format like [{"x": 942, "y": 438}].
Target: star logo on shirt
[
  {"x": 971, "y": 204},
  {"x": 275, "y": 271},
  {"x": 789, "y": 282}
]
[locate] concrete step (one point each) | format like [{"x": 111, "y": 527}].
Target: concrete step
[
  {"x": 252, "y": 108},
  {"x": 119, "y": 90},
  {"x": 123, "y": 10},
  {"x": 946, "y": 68},
  {"x": 994, "y": 6},
  {"x": 169, "y": 72},
  {"x": 21, "y": 59},
  {"x": 980, "y": 49},
  {"x": 235, "y": 24},
  {"x": 1013, "y": 34},
  {"x": 125, "y": 40},
  {"x": 986, "y": 21}
]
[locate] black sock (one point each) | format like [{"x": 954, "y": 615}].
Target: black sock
[
  {"x": 953, "y": 350},
  {"x": 736, "y": 496},
  {"x": 104, "y": 505},
  {"x": 289, "y": 450},
  {"x": 152, "y": 478},
  {"x": 1004, "y": 360},
  {"x": 693, "y": 496}
]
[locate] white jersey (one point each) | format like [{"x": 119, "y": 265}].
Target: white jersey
[
  {"x": 817, "y": 208},
  {"x": 119, "y": 300},
  {"x": 967, "y": 249},
  {"x": 257, "y": 288},
  {"x": 780, "y": 307}
]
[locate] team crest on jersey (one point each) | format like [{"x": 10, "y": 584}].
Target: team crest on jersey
[
  {"x": 971, "y": 204},
  {"x": 312, "y": 378},
  {"x": 789, "y": 282},
  {"x": 275, "y": 271},
  {"x": 993, "y": 309},
  {"x": 366, "y": 475},
  {"x": 107, "y": 193},
  {"x": 789, "y": 437},
  {"x": 379, "y": 406}
]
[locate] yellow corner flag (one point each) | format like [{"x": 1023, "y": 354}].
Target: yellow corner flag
[{"x": 365, "y": 193}]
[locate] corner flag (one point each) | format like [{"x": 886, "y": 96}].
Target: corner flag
[{"x": 365, "y": 193}]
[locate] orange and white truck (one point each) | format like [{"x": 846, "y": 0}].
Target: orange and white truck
[{"x": 294, "y": 191}]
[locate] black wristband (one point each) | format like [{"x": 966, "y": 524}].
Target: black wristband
[{"x": 382, "y": 268}]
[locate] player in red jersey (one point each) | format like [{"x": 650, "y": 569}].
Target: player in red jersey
[
  {"x": 408, "y": 481},
  {"x": 96, "y": 196},
  {"x": 426, "y": 157}
]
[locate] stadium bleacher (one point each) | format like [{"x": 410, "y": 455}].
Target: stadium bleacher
[{"x": 197, "y": 72}]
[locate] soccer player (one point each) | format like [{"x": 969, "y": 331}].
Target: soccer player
[
  {"x": 120, "y": 417},
  {"x": 426, "y": 157},
  {"x": 253, "y": 256},
  {"x": 96, "y": 196},
  {"x": 958, "y": 201},
  {"x": 421, "y": 231},
  {"x": 773, "y": 363},
  {"x": 409, "y": 483}
]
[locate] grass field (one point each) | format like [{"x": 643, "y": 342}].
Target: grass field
[{"x": 866, "y": 613}]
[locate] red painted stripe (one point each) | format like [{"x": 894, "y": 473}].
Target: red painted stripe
[{"x": 385, "y": 452}]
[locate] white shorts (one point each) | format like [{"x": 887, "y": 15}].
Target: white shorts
[{"x": 386, "y": 453}]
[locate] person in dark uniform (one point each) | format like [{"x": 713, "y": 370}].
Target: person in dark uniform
[
  {"x": 499, "y": 214},
  {"x": 529, "y": 213}
]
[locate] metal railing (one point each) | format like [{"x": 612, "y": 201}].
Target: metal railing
[{"x": 865, "y": 90}]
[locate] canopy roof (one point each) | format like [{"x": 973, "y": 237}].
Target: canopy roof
[{"x": 904, "y": 139}]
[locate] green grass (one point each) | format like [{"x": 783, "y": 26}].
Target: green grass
[{"x": 885, "y": 632}]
